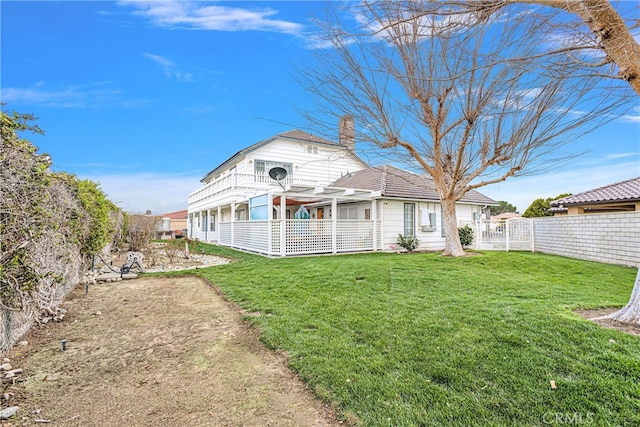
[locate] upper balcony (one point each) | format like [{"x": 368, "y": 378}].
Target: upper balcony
[{"x": 239, "y": 184}]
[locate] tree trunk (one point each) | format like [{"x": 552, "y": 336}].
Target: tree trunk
[
  {"x": 615, "y": 38},
  {"x": 630, "y": 313},
  {"x": 453, "y": 247}
]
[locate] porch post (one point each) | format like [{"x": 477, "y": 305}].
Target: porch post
[
  {"x": 233, "y": 223},
  {"x": 334, "y": 225},
  {"x": 218, "y": 221},
  {"x": 374, "y": 227},
  {"x": 206, "y": 225},
  {"x": 269, "y": 222},
  {"x": 283, "y": 225}
]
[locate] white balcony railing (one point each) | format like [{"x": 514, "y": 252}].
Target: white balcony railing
[{"x": 241, "y": 182}]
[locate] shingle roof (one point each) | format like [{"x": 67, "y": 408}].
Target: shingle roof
[
  {"x": 397, "y": 183},
  {"x": 296, "y": 134},
  {"x": 628, "y": 191},
  {"x": 304, "y": 136}
]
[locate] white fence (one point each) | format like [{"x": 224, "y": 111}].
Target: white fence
[
  {"x": 610, "y": 238},
  {"x": 300, "y": 236},
  {"x": 505, "y": 235}
]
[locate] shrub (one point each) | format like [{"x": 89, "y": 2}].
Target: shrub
[
  {"x": 466, "y": 235},
  {"x": 410, "y": 243}
]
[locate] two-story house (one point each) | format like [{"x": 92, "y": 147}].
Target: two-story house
[{"x": 320, "y": 197}]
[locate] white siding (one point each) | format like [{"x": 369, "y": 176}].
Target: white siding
[
  {"x": 325, "y": 167},
  {"x": 392, "y": 214},
  {"x": 319, "y": 166}
]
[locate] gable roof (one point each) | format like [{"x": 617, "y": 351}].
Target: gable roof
[
  {"x": 397, "y": 183},
  {"x": 176, "y": 215},
  {"x": 627, "y": 191},
  {"x": 296, "y": 135}
]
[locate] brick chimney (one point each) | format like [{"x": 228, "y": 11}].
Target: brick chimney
[{"x": 346, "y": 132}]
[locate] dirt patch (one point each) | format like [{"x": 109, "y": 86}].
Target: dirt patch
[
  {"x": 594, "y": 315},
  {"x": 160, "y": 257},
  {"x": 156, "y": 351}
]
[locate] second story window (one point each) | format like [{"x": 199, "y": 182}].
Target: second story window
[{"x": 262, "y": 167}]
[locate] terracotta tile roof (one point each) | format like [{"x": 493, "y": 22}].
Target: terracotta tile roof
[
  {"x": 175, "y": 215},
  {"x": 397, "y": 183},
  {"x": 505, "y": 215},
  {"x": 628, "y": 191}
]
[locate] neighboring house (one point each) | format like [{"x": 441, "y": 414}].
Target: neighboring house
[
  {"x": 505, "y": 216},
  {"x": 330, "y": 201},
  {"x": 619, "y": 197},
  {"x": 172, "y": 225}
]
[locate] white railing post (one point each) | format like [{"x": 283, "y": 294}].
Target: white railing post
[
  {"x": 233, "y": 223},
  {"x": 269, "y": 224},
  {"x": 334, "y": 225},
  {"x": 374, "y": 217},
  {"x": 283, "y": 225}
]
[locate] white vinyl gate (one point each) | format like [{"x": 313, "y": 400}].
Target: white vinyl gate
[{"x": 511, "y": 235}]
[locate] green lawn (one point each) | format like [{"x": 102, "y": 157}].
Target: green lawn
[{"x": 411, "y": 340}]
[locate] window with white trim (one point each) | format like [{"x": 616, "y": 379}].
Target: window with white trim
[
  {"x": 262, "y": 167},
  {"x": 409, "y": 219},
  {"x": 348, "y": 212}
]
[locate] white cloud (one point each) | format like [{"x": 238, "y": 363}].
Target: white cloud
[
  {"x": 521, "y": 191},
  {"x": 614, "y": 156},
  {"x": 633, "y": 116},
  {"x": 170, "y": 69},
  {"x": 139, "y": 192},
  {"x": 76, "y": 96},
  {"x": 207, "y": 16}
]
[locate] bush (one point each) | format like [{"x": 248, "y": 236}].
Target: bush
[
  {"x": 410, "y": 243},
  {"x": 466, "y": 235}
]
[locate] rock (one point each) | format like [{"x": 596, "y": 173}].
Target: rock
[
  {"x": 9, "y": 412},
  {"x": 9, "y": 374},
  {"x": 16, "y": 371},
  {"x": 6, "y": 397},
  {"x": 6, "y": 360},
  {"x": 23, "y": 343},
  {"x": 6, "y": 366},
  {"x": 45, "y": 320}
]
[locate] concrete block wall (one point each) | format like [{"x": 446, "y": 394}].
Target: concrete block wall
[{"x": 609, "y": 238}]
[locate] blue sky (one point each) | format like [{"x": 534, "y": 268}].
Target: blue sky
[{"x": 147, "y": 97}]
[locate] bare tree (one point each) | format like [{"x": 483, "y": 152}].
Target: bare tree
[
  {"x": 469, "y": 97},
  {"x": 141, "y": 230},
  {"x": 598, "y": 28}
]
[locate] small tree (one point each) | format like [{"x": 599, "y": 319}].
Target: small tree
[
  {"x": 502, "y": 208},
  {"x": 141, "y": 230},
  {"x": 540, "y": 207}
]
